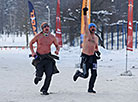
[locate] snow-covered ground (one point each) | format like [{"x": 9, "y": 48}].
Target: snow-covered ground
[{"x": 17, "y": 74}]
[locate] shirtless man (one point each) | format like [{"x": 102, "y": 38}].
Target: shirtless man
[
  {"x": 90, "y": 54},
  {"x": 44, "y": 41}
]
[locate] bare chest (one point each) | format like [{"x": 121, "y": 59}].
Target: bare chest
[
  {"x": 45, "y": 40},
  {"x": 91, "y": 40}
]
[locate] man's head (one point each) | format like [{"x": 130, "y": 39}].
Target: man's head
[
  {"x": 92, "y": 27},
  {"x": 45, "y": 27}
]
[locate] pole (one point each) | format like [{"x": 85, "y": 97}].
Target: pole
[
  {"x": 106, "y": 38},
  {"x": 48, "y": 15},
  {"x": 136, "y": 37},
  {"x": 123, "y": 35},
  {"x": 126, "y": 59},
  {"x": 112, "y": 40},
  {"x": 117, "y": 36}
]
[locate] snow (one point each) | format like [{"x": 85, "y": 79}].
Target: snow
[
  {"x": 112, "y": 0},
  {"x": 102, "y": 12},
  {"x": 17, "y": 74}
]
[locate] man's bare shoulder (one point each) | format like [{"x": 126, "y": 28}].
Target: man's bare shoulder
[
  {"x": 96, "y": 37},
  {"x": 52, "y": 36},
  {"x": 87, "y": 35},
  {"x": 37, "y": 35}
]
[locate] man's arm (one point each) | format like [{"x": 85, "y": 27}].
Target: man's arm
[
  {"x": 86, "y": 30},
  {"x": 57, "y": 46},
  {"x": 97, "y": 53},
  {"x": 96, "y": 40},
  {"x": 31, "y": 45}
]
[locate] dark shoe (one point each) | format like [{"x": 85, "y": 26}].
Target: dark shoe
[
  {"x": 91, "y": 91},
  {"x": 45, "y": 93},
  {"x": 36, "y": 80},
  {"x": 75, "y": 77},
  {"x": 41, "y": 90}
]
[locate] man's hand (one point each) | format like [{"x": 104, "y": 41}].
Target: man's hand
[
  {"x": 33, "y": 54},
  {"x": 97, "y": 54},
  {"x": 56, "y": 52},
  {"x": 85, "y": 11}
]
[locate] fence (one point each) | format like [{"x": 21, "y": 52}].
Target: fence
[{"x": 115, "y": 36}]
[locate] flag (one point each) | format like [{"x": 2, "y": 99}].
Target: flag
[
  {"x": 32, "y": 18},
  {"x": 58, "y": 25},
  {"x": 130, "y": 26},
  {"x": 85, "y": 3}
]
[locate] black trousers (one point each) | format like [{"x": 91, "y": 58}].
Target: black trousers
[
  {"x": 89, "y": 62},
  {"x": 45, "y": 66}
]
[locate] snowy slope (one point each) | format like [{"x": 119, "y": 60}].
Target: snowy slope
[{"x": 17, "y": 73}]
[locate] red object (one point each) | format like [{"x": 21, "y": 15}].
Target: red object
[
  {"x": 23, "y": 48},
  {"x": 130, "y": 26},
  {"x": 58, "y": 25}
]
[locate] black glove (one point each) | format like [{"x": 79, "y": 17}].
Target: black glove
[
  {"x": 85, "y": 11},
  {"x": 97, "y": 54}
]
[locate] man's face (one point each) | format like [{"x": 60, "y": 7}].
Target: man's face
[
  {"x": 92, "y": 29},
  {"x": 46, "y": 29}
]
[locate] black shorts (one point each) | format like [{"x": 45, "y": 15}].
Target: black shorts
[{"x": 90, "y": 60}]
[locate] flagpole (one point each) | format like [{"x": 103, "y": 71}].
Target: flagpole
[
  {"x": 48, "y": 15},
  {"x": 126, "y": 58},
  {"x": 58, "y": 24},
  {"x": 32, "y": 18},
  {"x": 129, "y": 45}
]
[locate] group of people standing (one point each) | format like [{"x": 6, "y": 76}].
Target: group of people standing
[{"x": 45, "y": 62}]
